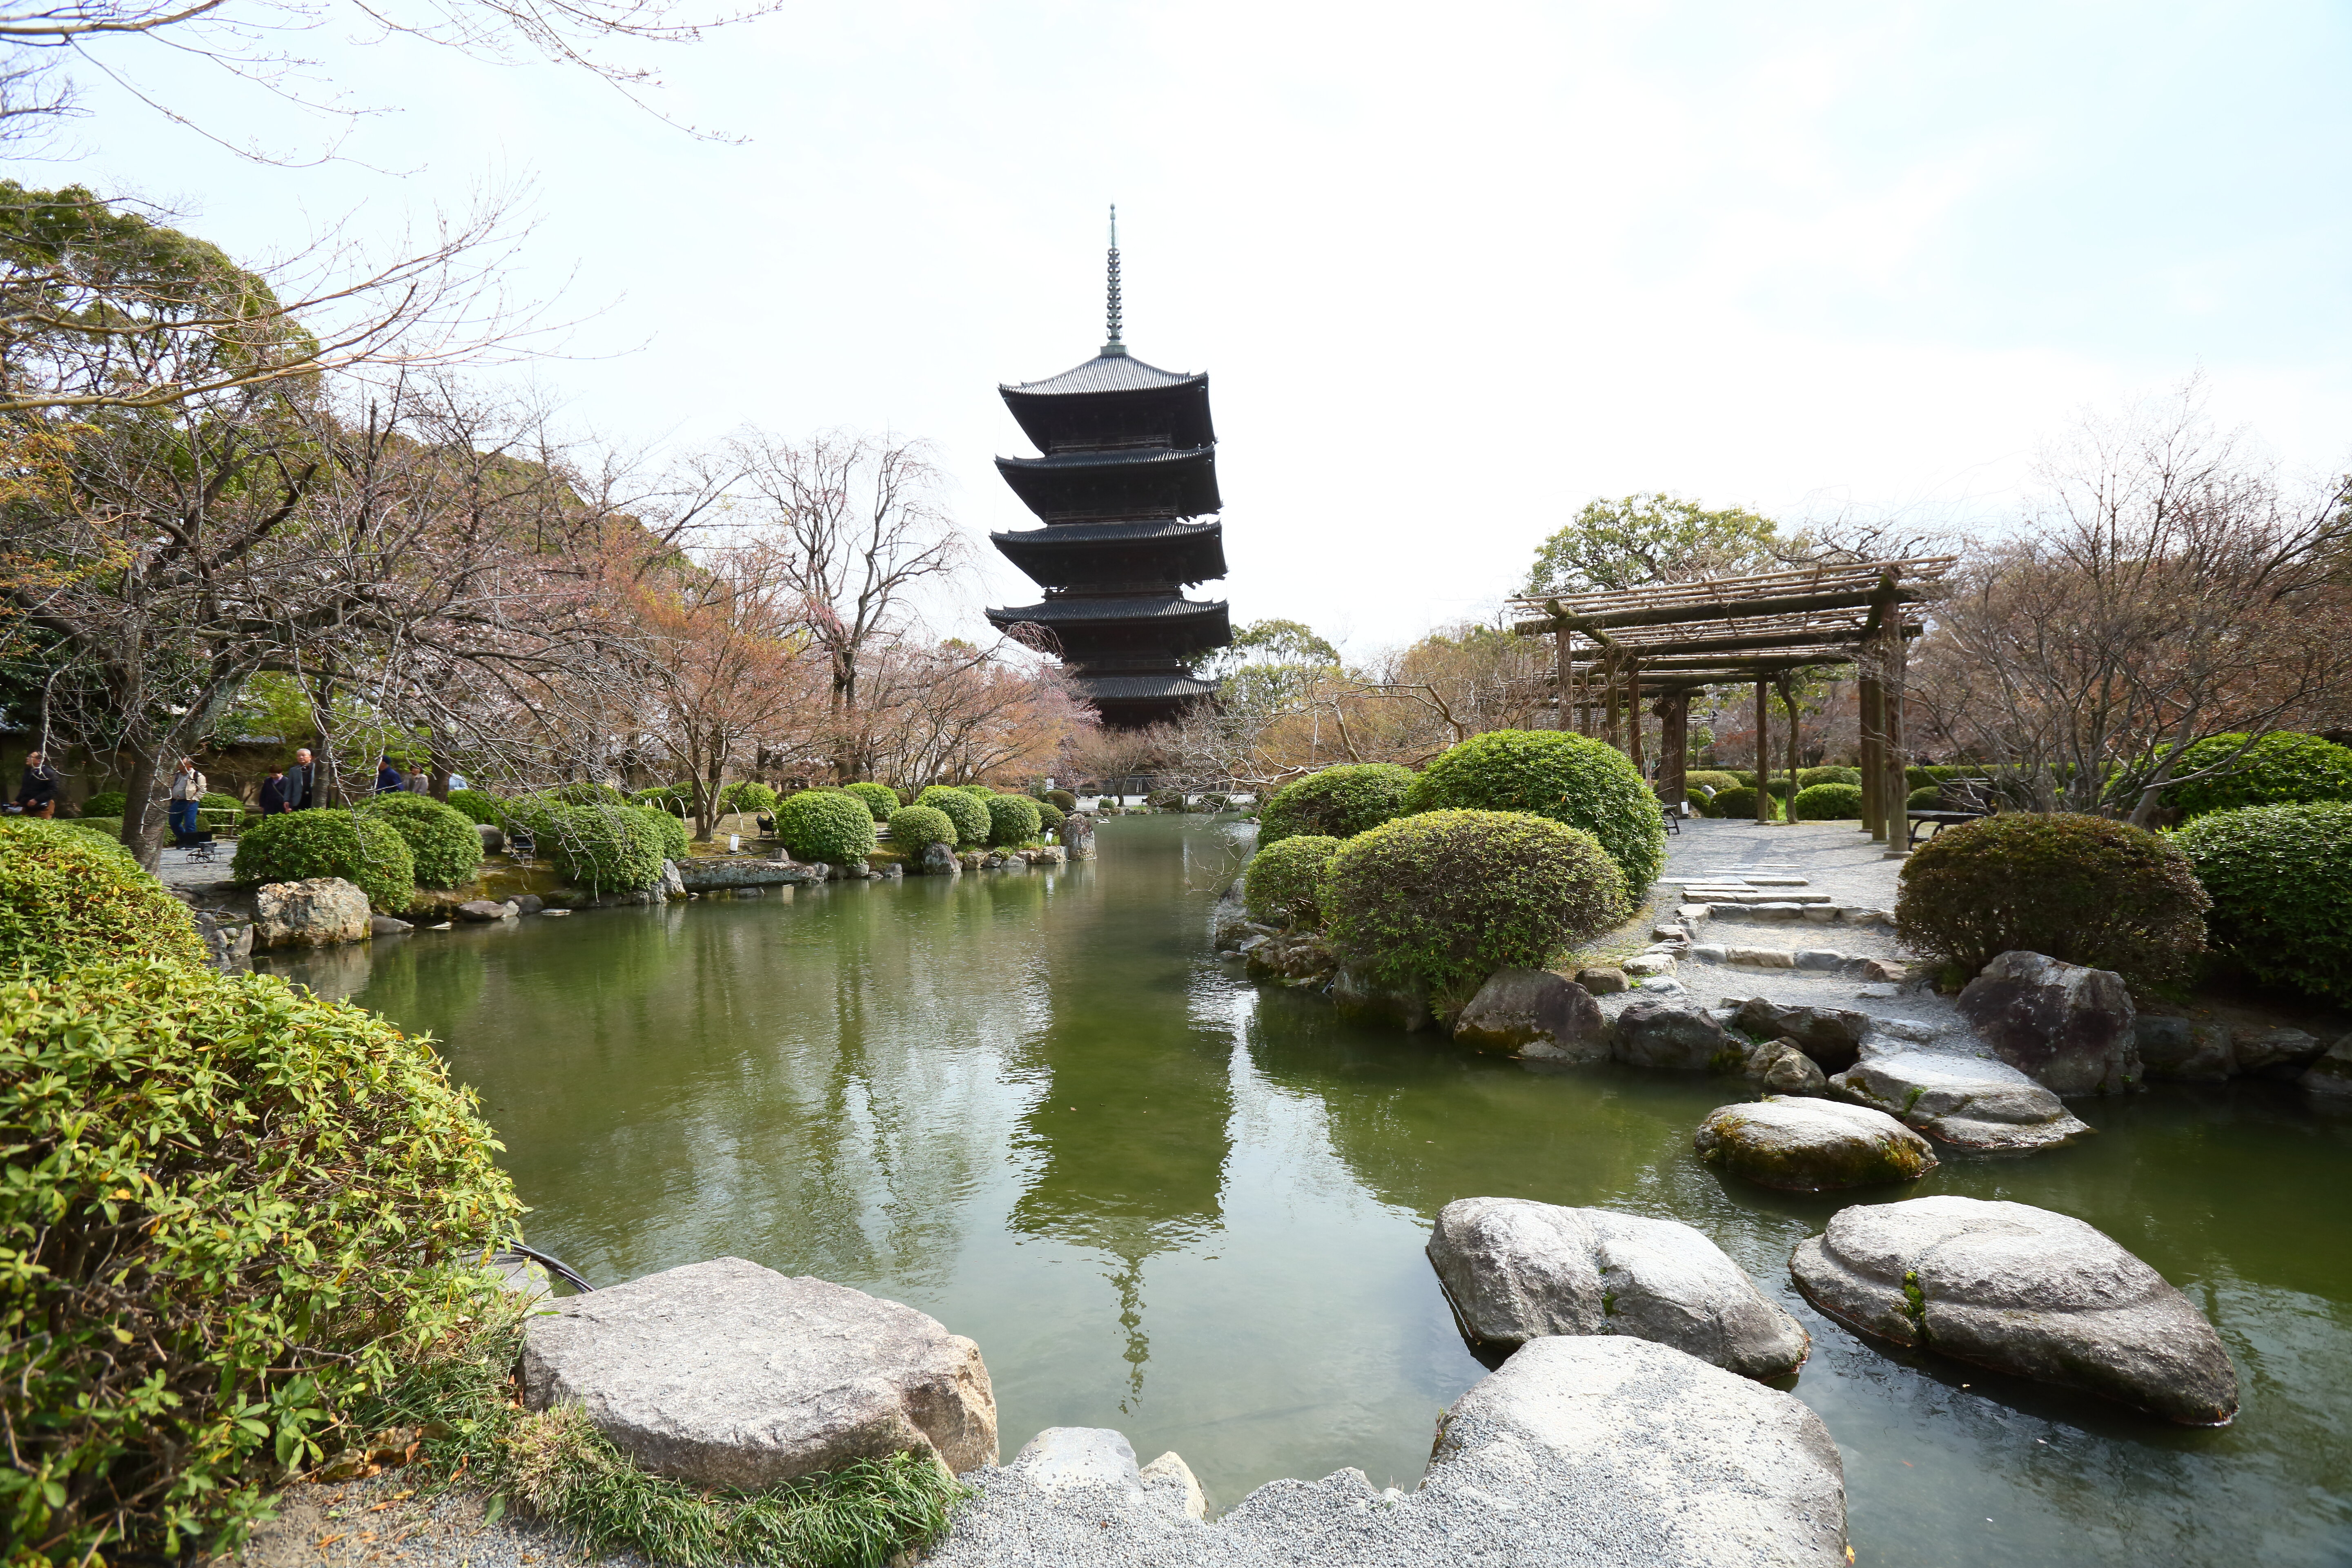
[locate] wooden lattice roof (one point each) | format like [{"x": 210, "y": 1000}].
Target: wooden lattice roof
[{"x": 1804, "y": 615}]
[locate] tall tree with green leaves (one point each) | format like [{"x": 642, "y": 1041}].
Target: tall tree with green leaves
[{"x": 1653, "y": 538}]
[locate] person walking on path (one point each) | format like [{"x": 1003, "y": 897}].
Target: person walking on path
[
  {"x": 389, "y": 780},
  {"x": 37, "y": 793},
  {"x": 274, "y": 799},
  {"x": 300, "y": 779},
  {"x": 188, "y": 795}
]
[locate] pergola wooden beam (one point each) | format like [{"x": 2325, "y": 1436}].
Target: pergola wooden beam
[{"x": 1742, "y": 610}]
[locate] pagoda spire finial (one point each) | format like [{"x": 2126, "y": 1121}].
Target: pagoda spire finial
[{"x": 1113, "y": 348}]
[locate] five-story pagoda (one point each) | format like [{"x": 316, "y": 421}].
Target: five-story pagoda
[{"x": 1130, "y": 466}]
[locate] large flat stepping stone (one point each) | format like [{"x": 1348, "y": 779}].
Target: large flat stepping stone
[
  {"x": 726, "y": 1373},
  {"x": 1968, "y": 1102},
  {"x": 1811, "y": 1145},
  {"x": 2021, "y": 1290},
  {"x": 1579, "y": 1453},
  {"x": 1517, "y": 1270}
]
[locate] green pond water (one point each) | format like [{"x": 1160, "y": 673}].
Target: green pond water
[{"x": 1035, "y": 1106}]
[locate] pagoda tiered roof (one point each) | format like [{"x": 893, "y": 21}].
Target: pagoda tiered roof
[
  {"x": 1113, "y": 400},
  {"x": 1163, "y": 553},
  {"x": 1115, "y": 484}
]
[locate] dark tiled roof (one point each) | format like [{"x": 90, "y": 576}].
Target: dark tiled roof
[
  {"x": 1133, "y": 688},
  {"x": 1080, "y": 610},
  {"x": 1112, "y": 457},
  {"x": 1107, "y": 373},
  {"x": 1111, "y": 533}
]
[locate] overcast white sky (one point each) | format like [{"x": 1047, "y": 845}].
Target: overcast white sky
[{"x": 1454, "y": 269}]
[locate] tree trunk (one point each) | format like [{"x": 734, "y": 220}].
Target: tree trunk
[{"x": 144, "y": 811}]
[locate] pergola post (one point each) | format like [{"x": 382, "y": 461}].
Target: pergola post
[
  {"x": 1633, "y": 712},
  {"x": 1610, "y": 732},
  {"x": 1673, "y": 747},
  {"x": 1788, "y": 702},
  {"x": 1564, "y": 673},
  {"x": 1874, "y": 788},
  {"x": 1763, "y": 754},
  {"x": 1898, "y": 836}
]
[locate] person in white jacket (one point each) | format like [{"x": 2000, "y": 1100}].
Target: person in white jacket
[{"x": 187, "y": 793}]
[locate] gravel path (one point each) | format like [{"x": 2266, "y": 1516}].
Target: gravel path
[{"x": 380, "y": 1523}]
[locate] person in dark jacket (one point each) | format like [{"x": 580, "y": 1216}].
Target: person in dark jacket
[
  {"x": 273, "y": 799},
  {"x": 389, "y": 780},
  {"x": 300, "y": 779},
  {"x": 37, "y": 793}
]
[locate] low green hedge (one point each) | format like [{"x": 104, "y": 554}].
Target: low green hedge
[
  {"x": 1336, "y": 802},
  {"x": 363, "y": 849},
  {"x": 1050, "y": 818},
  {"x": 826, "y": 824},
  {"x": 1283, "y": 881},
  {"x": 1576, "y": 781},
  {"x": 1807, "y": 777},
  {"x": 1447, "y": 898},
  {"x": 609, "y": 848},
  {"x": 2280, "y": 878},
  {"x": 106, "y": 827},
  {"x": 235, "y": 1211},
  {"x": 748, "y": 794},
  {"x": 442, "y": 843},
  {"x": 1829, "y": 803},
  {"x": 1063, "y": 799},
  {"x": 476, "y": 806},
  {"x": 1709, "y": 778},
  {"x": 2080, "y": 889},
  {"x": 106, "y": 803},
  {"x": 2283, "y": 768},
  {"x": 68, "y": 897},
  {"x": 914, "y": 828},
  {"x": 1738, "y": 803},
  {"x": 880, "y": 798},
  {"x": 1011, "y": 819},
  {"x": 1927, "y": 797},
  {"x": 970, "y": 816}
]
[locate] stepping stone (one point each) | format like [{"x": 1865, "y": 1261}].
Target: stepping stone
[{"x": 1811, "y": 1145}]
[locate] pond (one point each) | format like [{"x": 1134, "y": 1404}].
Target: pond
[{"x": 1037, "y": 1107}]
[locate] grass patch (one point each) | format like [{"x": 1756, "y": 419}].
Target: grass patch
[{"x": 459, "y": 1395}]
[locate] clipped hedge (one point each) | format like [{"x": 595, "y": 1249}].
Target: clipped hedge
[
  {"x": 109, "y": 829},
  {"x": 1283, "y": 881},
  {"x": 1063, "y": 799},
  {"x": 826, "y": 824},
  {"x": 236, "y": 1212},
  {"x": 1738, "y": 803},
  {"x": 2283, "y": 768},
  {"x": 1050, "y": 817},
  {"x": 914, "y": 828},
  {"x": 1575, "y": 780},
  {"x": 672, "y": 840},
  {"x": 1927, "y": 797},
  {"x": 1829, "y": 803},
  {"x": 1447, "y": 898},
  {"x": 68, "y": 897},
  {"x": 1011, "y": 819},
  {"x": 880, "y": 798},
  {"x": 979, "y": 790},
  {"x": 2280, "y": 878},
  {"x": 363, "y": 849},
  {"x": 106, "y": 803},
  {"x": 613, "y": 847},
  {"x": 442, "y": 842},
  {"x": 1709, "y": 778},
  {"x": 748, "y": 794},
  {"x": 964, "y": 809},
  {"x": 2081, "y": 888},
  {"x": 1807, "y": 777},
  {"x": 1336, "y": 802},
  {"x": 477, "y": 806}
]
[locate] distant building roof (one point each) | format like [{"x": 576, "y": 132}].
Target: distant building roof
[{"x": 1143, "y": 688}]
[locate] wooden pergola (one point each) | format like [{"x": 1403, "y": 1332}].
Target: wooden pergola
[{"x": 1662, "y": 643}]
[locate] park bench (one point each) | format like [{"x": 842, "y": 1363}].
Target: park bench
[{"x": 1957, "y": 802}]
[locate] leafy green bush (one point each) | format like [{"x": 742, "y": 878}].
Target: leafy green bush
[
  {"x": 671, "y": 840},
  {"x": 971, "y": 817},
  {"x": 106, "y": 803},
  {"x": 68, "y": 897},
  {"x": 446, "y": 849},
  {"x": 914, "y": 828},
  {"x": 477, "y": 806},
  {"x": 1944, "y": 773},
  {"x": 109, "y": 829},
  {"x": 1829, "y": 803},
  {"x": 2080, "y": 889},
  {"x": 1737, "y": 804},
  {"x": 826, "y": 824},
  {"x": 1011, "y": 819},
  {"x": 676, "y": 799},
  {"x": 747, "y": 794},
  {"x": 1743, "y": 776},
  {"x": 2283, "y": 768},
  {"x": 1807, "y": 777},
  {"x": 980, "y": 790},
  {"x": 2280, "y": 878},
  {"x": 880, "y": 798},
  {"x": 234, "y": 1211},
  {"x": 1282, "y": 880},
  {"x": 1050, "y": 817},
  {"x": 1926, "y": 797},
  {"x": 583, "y": 793},
  {"x": 1063, "y": 799},
  {"x": 1447, "y": 898},
  {"x": 1709, "y": 778},
  {"x": 364, "y": 851},
  {"x": 1336, "y": 802},
  {"x": 1575, "y": 780},
  {"x": 214, "y": 801},
  {"x": 609, "y": 849}
]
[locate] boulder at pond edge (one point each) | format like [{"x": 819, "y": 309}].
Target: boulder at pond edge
[
  {"x": 1811, "y": 1145},
  {"x": 1534, "y": 1013},
  {"x": 318, "y": 912},
  {"x": 2068, "y": 1027}
]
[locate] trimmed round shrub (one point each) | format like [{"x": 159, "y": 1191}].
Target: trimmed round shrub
[
  {"x": 747, "y": 794},
  {"x": 1063, "y": 799},
  {"x": 214, "y": 801},
  {"x": 880, "y": 798},
  {"x": 1737, "y": 804},
  {"x": 68, "y": 897},
  {"x": 676, "y": 799},
  {"x": 1011, "y": 819},
  {"x": 671, "y": 840},
  {"x": 825, "y": 824},
  {"x": 2283, "y": 768},
  {"x": 971, "y": 817},
  {"x": 106, "y": 803},
  {"x": 1050, "y": 817},
  {"x": 914, "y": 828},
  {"x": 583, "y": 793},
  {"x": 1927, "y": 797},
  {"x": 1829, "y": 803},
  {"x": 2081, "y": 888},
  {"x": 364, "y": 851},
  {"x": 981, "y": 789},
  {"x": 1807, "y": 777},
  {"x": 443, "y": 845},
  {"x": 1447, "y": 898},
  {"x": 2280, "y": 878},
  {"x": 1743, "y": 776},
  {"x": 609, "y": 849},
  {"x": 1709, "y": 778},
  {"x": 1338, "y": 803},
  {"x": 477, "y": 806},
  {"x": 1575, "y": 780},
  {"x": 109, "y": 829},
  {"x": 1282, "y": 880},
  {"x": 240, "y": 1211}
]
